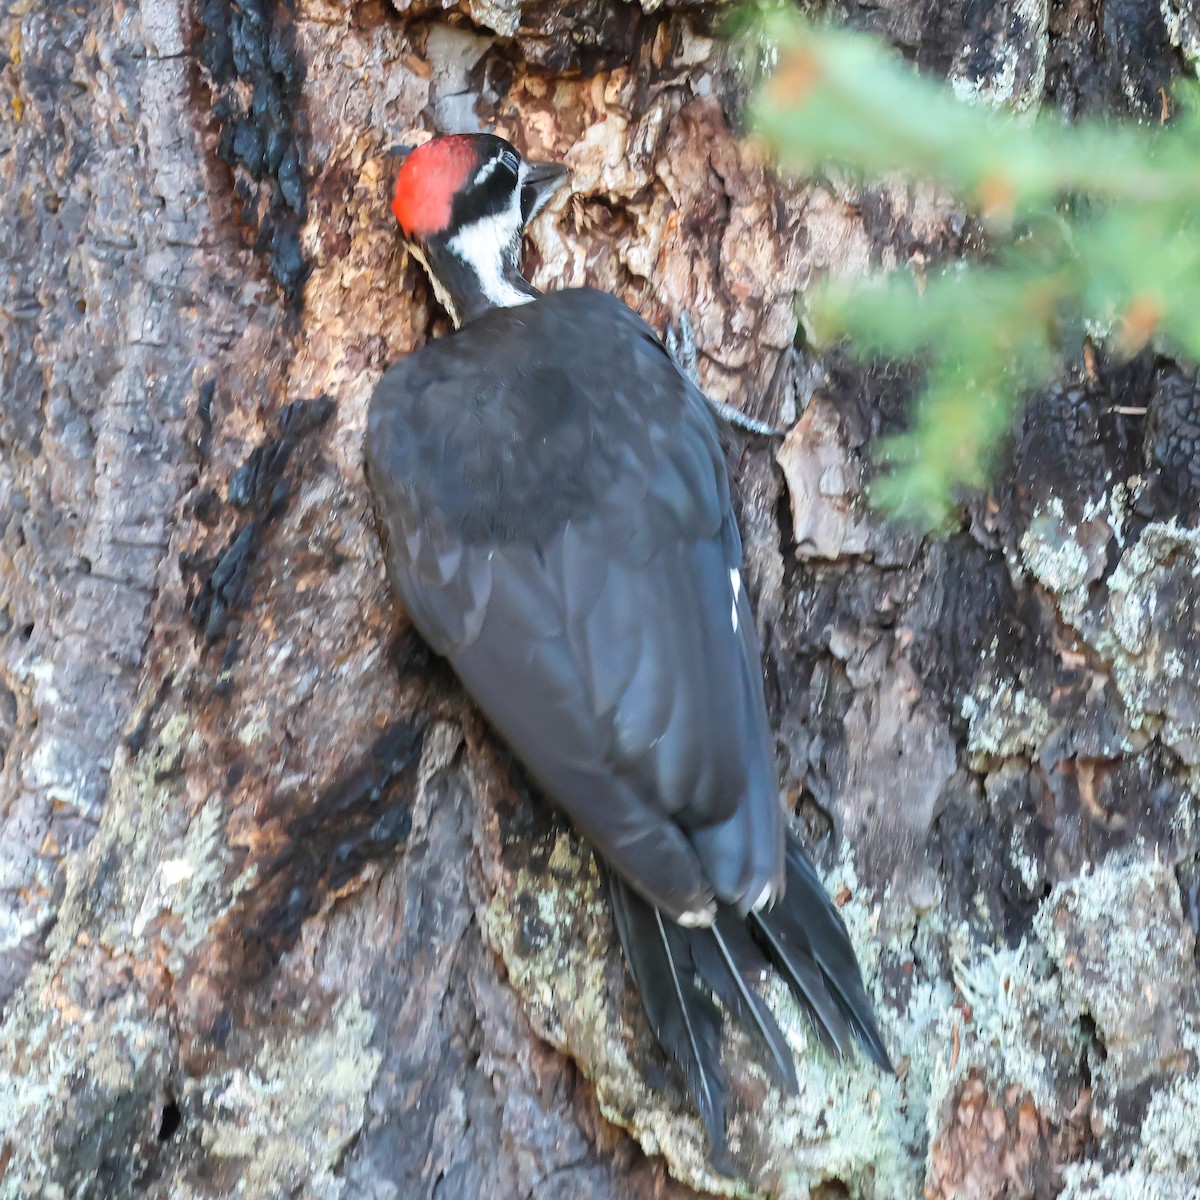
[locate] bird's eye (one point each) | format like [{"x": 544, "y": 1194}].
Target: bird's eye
[{"x": 510, "y": 162}]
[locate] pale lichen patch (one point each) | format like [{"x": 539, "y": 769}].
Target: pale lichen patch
[
  {"x": 1053, "y": 554},
  {"x": 291, "y": 1114},
  {"x": 1125, "y": 958},
  {"x": 196, "y": 899},
  {"x": 1004, "y": 720},
  {"x": 1166, "y": 1162}
]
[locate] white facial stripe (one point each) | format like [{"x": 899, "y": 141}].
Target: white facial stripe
[
  {"x": 506, "y": 158},
  {"x": 484, "y": 244},
  {"x": 485, "y": 172}
]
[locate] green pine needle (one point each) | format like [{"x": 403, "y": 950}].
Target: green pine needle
[{"x": 1091, "y": 226}]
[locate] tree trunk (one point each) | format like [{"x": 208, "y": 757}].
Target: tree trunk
[{"x": 277, "y": 914}]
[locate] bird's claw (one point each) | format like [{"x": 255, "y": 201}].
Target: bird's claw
[{"x": 681, "y": 347}]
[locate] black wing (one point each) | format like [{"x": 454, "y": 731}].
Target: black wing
[{"x": 568, "y": 543}]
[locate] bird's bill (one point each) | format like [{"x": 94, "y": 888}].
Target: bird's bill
[{"x": 541, "y": 181}]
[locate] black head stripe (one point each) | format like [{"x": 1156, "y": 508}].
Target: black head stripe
[
  {"x": 505, "y": 162},
  {"x": 491, "y": 188}
]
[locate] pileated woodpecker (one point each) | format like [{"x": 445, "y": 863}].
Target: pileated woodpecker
[{"x": 555, "y": 512}]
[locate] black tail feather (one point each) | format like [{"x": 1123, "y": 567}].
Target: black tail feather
[
  {"x": 833, "y": 951},
  {"x": 805, "y": 937},
  {"x": 785, "y": 943},
  {"x": 729, "y": 962},
  {"x": 682, "y": 1015},
  {"x": 674, "y": 970}
]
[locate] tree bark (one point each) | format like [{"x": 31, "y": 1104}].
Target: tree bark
[{"x": 277, "y": 914}]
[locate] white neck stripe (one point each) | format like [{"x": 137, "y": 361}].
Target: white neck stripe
[{"x": 485, "y": 245}]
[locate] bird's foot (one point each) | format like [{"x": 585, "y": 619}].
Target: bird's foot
[{"x": 681, "y": 347}]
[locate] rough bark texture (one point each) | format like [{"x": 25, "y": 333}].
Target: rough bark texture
[{"x": 277, "y": 916}]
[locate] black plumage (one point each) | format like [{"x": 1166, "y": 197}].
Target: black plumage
[
  {"x": 681, "y": 1012},
  {"x": 566, "y": 540},
  {"x": 555, "y": 514},
  {"x": 803, "y": 937}
]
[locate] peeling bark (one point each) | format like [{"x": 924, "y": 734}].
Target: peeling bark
[{"x": 277, "y": 915}]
